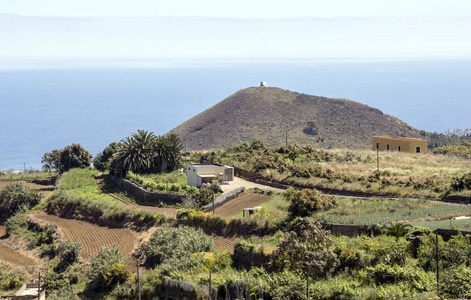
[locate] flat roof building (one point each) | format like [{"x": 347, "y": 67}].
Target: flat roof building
[
  {"x": 197, "y": 174},
  {"x": 409, "y": 145}
]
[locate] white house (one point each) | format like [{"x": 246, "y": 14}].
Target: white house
[{"x": 197, "y": 174}]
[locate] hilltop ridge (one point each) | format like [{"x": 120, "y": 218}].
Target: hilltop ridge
[{"x": 268, "y": 113}]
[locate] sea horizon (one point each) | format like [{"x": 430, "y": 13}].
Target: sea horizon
[{"x": 49, "y": 104}]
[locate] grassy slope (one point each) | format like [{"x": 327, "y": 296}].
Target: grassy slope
[{"x": 267, "y": 113}]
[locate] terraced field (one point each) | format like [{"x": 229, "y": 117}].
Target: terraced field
[
  {"x": 15, "y": 258},
  {"x": 237, "y": 205},
  {"x": 92, "y": 237},
  {"x": 220, "y": 243},
  {"x": 166, "y": 211}
]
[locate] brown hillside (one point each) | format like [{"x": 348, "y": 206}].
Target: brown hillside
[{"x": 267, "y": 113}]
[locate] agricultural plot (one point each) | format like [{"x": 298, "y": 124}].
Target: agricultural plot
[
  {"x": 166, "y": 211},
  {"x": 15, "y": 258},
  {"x": 237, "y": 205},
  {"x": 220, "y": 243},
  {"x": 92, "y": 237}
]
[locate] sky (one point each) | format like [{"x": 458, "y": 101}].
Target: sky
[
  {"x": 243, "y": 29},
  {"x": 239, "y": 8}
]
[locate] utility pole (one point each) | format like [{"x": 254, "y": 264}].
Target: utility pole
[
  {"x": 286, "y": 138},
  {"x": 438, "y": 270}
]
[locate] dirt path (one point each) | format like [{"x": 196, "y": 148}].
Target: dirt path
[
  {"x": 92, "y": 237},
  {"x": 168, "y": 212},
  {"x": 239, "y": 182},
  {"x": 236, "y": 205}
]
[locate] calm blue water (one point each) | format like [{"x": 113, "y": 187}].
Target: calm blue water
[{"x": 42, "y": 110}]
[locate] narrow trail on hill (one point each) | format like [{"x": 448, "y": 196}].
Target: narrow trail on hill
[{"x": 168, "y": 212}]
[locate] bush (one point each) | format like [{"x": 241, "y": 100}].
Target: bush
[
  {"x": 164, "y": 243},
  {"x": 305, "y": 202},
  {"x": 101, "y": 263},
  {"x": 16, "y": 197},
  {"x": 116, "y": 274},
  {"x": 68, "y": 252},
  {"x": 460, "y": 183},
  {"x": 456, "y": 283}
]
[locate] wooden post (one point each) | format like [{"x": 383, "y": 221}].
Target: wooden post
[
  {"x": 377, "y": 159},
  {"x": 210, "y": 296},
  {"x": 307, "y": 284},
  {"x": 39, "y": 285},
  {"x": 212, "y": 190},
  {"x": 138, "y": 280}
]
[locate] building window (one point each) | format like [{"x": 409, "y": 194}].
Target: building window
[
  {"x": 387, "y": 146},
  {"x": 377, "y": 145},
  {"x": 417, "y": 149},
  {"x": 399, "y": 148}
]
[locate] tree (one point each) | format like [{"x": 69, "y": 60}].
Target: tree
[
  {"x": 144, "y": 152},
  {"x": 306, "y": 247},
  {"x": 398, "y": 229},
  {"x": 102, "y": 161},
  {"x": 75, "y": 156},
  {"x": 135, "y": 153},
  {"x": 62, "y": 160},
  {"x": 167, "y": 152},
  {"x": 52, "y": 160},
  {"x": 312, "y": 128},
  {"x": 15, "y": 197}
]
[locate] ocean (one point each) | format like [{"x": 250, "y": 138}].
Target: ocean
[{"x": 48, "y": 105}]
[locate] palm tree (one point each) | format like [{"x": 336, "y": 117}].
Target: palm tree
[
  {"x": 398, "y": 229},
  {"x": 167, "y": 152},
  {"x": 136, "y": 152}
]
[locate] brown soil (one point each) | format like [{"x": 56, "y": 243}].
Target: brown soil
[
  {"x": 237, "y": 205},
  {"x": 220, "y": 243},
  {"x": 15, "y": 258},
  {"x": 168, "y": 212},
  {"x": 92, "y": 237},
  {"x": 2, "y": 231}
]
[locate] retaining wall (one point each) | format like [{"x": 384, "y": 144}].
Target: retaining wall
[
  {"x": 223, "y": 198},
  {"x": 147, "y": 197}
]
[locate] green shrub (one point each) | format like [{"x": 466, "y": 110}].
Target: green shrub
[
  {"x": 455, "y": 252},
  {"x": 101, "y": 263},
  {"x": 164, "y": 243},
  {"x": 460, "y": 183},
  {"x": 53, "y": 281},
  {"x": 114, "y": 275},
  {"x": 16, "y": 197},
  {"x": 68, "y": 253},
  {"x": 305, "y": 202},
  {"x": 456, "y": 283}
]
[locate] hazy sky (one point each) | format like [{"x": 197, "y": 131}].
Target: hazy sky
[
  {"x": 235, "y": 29},
  {"x": 239, "y": 8}
]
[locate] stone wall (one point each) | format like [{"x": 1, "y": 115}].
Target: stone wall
[{"x": 147, "y": 197}]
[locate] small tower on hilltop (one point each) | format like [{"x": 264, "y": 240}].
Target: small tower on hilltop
[{"x": 263, "y": 83}]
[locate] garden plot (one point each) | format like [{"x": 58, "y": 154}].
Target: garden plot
[
  {"x": 220, "y": 243},
  {"x": 237, "y": 205},
  {"x": 92, "y": 237},
  {"x": 15, "y": 258}
]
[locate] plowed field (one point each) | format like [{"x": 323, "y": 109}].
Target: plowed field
[
  {"x": 220, "y": 243},
  {"x": 92, "y": 237},
  {"x": 237, "y": 205},
  {"x": 14, "y": 257}
]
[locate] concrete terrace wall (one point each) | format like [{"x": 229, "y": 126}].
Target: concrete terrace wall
[{"x": 148, "y": 197}]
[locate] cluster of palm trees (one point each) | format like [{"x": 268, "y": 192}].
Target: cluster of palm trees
[{"x": 144, "y": 152}]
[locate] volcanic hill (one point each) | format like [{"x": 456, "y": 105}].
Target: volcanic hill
[{"x": 271, "y": 114}]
